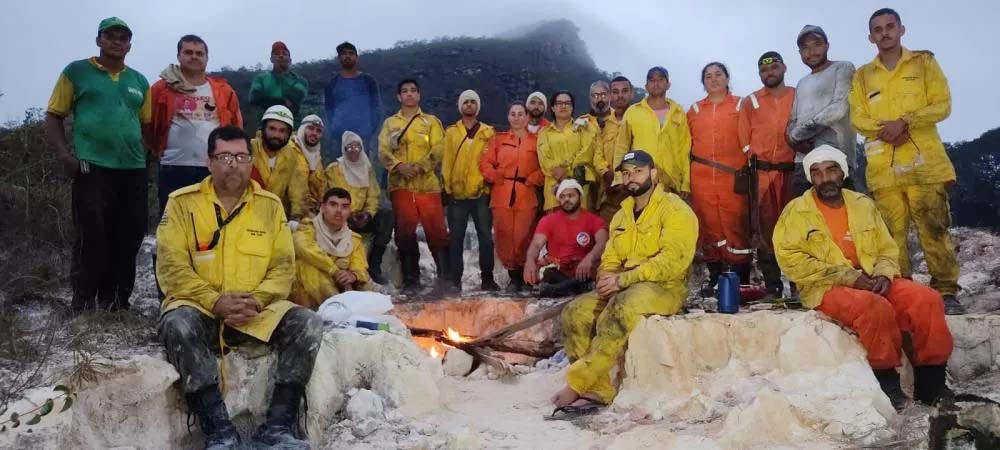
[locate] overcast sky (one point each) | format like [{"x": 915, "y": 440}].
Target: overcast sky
[{"x": 42, "y": 36}]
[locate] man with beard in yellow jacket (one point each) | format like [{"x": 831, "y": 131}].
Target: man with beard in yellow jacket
[
  {"x": 466, "y": 193},
  {"x": 659, "y": 125},
  {"x": 226, "y": 264},
  {"x": 644, "y": 270},
  {"x": 278, "y": 165},
  {"x": 896, "y": 102},
  {"x": 329, "y": 257}
]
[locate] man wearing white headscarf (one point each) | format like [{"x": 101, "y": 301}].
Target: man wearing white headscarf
[
  {"x": 353, "y": 172},
  {"x": 309, "y": 138},
  {"x": 536, "y": 105}
]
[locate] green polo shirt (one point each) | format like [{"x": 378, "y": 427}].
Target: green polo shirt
[{"x": 108, "y": 110}]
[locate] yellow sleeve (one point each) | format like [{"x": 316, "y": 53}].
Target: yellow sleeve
[
  {"x": 600, "y": 162},
  {"x": 623, "y": 142},
  {"x": 678, "y": 238},
  {"x": 298, "y": 188},
  {"x": 887, "y": 261},
  {"x": 307, "y": 251},
  {"x": 585, "y": 154},
  {"x": 317, "y": 187},
  {"x": 374, "y": 192},
  {"x": 277, "y": 282},
  {"x": 801, "y": 266},
  {"x": 545, "y": 158},
  {"x": 861, "y": 118},
  {"x": 174, "y": 269},
  {"x": 61, "y": 101},
  {"x": 611, "y": 260},
  {"x": 146, "y": 110},
  {"x": 389, "y": 160},
  {"x": 682, "y": 153},
  {"x": 449, "y": 159},
  {"x": 938, "y": 97},
  {"x": 359, "y": 261},
  {"x": 436, "y": 141}
]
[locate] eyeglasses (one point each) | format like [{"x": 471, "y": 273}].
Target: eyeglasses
[
  {"x": 563, "y": 104},
  {"x": 354, "y": 146},
  {"x": 599, "y": 95},
  {"x": 228, "y": 158}
]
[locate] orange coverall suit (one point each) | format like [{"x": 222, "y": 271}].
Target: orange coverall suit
[
  {"x": 510, "y": 164},
  {"x": 724, "y": 234},
  {"x": 763, "y": 119}
]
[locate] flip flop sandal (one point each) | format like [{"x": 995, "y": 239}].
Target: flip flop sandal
[{"x": 570, "y": 412}]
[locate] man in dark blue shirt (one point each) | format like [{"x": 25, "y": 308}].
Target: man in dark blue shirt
[{"x": 353, "y": 103}]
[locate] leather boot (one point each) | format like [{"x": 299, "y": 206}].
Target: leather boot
[
  {"x": 213, "y": 418},
  {"x": 888, "y": 379},
  {"x": 929, "y": 384},
  {"x": 410, "y": 268},
  {"x": 516, "y": 281},
  {"x": 714, "y": 271},
  {"x": 279, "y": 427},
  {"x": 375, "y": 264}
]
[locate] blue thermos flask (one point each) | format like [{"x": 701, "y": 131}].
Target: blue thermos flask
[{"x": 729, "y": 293}]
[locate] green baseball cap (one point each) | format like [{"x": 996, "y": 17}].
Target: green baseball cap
[{"x": 112, "y": 22}]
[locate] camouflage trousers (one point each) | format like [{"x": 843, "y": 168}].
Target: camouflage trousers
[{"x": 191, "y": 340}]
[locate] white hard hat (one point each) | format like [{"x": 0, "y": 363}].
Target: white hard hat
[{"x": 280, "y": 113}]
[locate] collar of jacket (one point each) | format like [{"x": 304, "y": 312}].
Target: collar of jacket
[
  {"x": 207, "y": 188},
  {"x": 906, "y": 56},
  {"x": 628, "y": 205}
]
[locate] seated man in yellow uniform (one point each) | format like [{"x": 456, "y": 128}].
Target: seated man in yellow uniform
[
  {"x": 226, "y": 264},
  {"x": 329, "y": 257},
  {"x": 644, "y": 271}
]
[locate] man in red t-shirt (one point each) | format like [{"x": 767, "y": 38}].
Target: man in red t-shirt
[{"x": 574, "y": 239}]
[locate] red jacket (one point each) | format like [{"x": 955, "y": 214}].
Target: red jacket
[{"x": 165, "y": 106}]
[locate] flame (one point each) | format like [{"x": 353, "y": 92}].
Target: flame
[
  {"x": 455, "y": 337},
  {"x": 435, "y": 353}
]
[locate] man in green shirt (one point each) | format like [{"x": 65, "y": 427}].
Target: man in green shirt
[
  {"x": 110, "y": 104},
  {"x": 280, "y": 86}
]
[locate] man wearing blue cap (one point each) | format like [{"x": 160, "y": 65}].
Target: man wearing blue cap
[
  {"x": 659, "y": 126},
  {"x": 110, "y": 103}
]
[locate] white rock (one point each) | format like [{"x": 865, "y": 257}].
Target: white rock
[
  {"x": 365, "y": 427},
  {"x": 365, "y": 404},
  {"x": 463, "y": 439},
  {"x": 457, "y": 363}
]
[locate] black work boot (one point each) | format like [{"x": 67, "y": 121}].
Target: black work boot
[
  {"x": 952, "y": 306},
  {"x": 375, "y": 264},
  {"x": 444, "y": 285},
  {"x": 488, "y": 284},
  {"x": 714, "y": 271},
  {"x": 929, "y": 384},
  {"x": 888, "y": 379},
  {"x": 743, "y": 270},
  {"x": 410, "y": 268},
  {"x": 279, "y": 428},
  {"x": 516, "y": 281},
  {"x": 213, "y": 419}
]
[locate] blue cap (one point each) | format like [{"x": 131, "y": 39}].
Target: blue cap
[{"x": 659, "y": 69}]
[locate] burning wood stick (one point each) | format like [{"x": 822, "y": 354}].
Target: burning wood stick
[{"x": 508, "y": 330}]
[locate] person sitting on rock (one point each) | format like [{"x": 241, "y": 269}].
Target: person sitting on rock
[
  {"x": 226, "y": 264},
  {"x": 353, "y": 172},
  {"x": 574, "y": 239},
  {"x": 644, "y": 270},
  {"x": 329, "y": 257},
  {"x": 833, "y": 244}
]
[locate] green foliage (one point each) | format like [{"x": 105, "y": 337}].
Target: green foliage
[
  {"x": 975, "y": 199},
  {"x": 65, "y": 395}
]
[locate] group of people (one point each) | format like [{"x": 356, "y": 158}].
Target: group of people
[{"x": 613, "y": 206}]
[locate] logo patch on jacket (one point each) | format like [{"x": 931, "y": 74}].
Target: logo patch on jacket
[{"x": 583, "y": 239}]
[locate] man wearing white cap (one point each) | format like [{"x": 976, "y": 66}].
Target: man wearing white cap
[
  {"x": 574, "y": 239},
  {"x": 308, "y": 139},
  {"x": 466, "y": 193},
  {"x": 833, "y": 244},
  {"x": 278, "y": 165},
  {"x": 536, "y": 106}
]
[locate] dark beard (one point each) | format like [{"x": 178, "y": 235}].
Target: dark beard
[
  {"x": 776, "y": 83},
  {"x": 829, "y": 191},
  {"x": 274, "y": 144},
  {"x": 645, "y": 187},
  {"x": 576, "y": 208}
]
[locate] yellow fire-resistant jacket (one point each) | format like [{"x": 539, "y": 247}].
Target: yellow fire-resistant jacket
[
  {"x": 916, "y": 91},
  {"x": 604, "y": 142},
  {"x": 460, "y": 167},
  {"x": 362, "y": 198},
  {"x": 288, "y": 179},
  {"x": 315, "y": 267},
  {"x": 811, "y": 258},
  {"x": 423, "y": 145},
  {"x": 669, "y": 145},
  {"x": 570, "y": 147},
  {"x": 659, "y": 247},
  {"x": 254, "y": 254}
]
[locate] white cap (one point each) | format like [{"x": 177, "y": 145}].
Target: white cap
[
  {"x": 280, "y": 113},
  {"x": 469, "y": 94},
  {"x": 824, "y": 153},
  {"x": 569, "y": 183},
  {"x": 540, "y": 95}
]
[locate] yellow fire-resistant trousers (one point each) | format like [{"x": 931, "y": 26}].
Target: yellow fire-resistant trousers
[
  {"x": 927, "y": 206},
  {"x": 614, "y": 318}
]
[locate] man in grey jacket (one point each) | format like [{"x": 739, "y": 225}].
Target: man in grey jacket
[{"x": 820, "y": 113}]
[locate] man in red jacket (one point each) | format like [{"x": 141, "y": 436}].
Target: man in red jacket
[{"x": 187, "y": 106}]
